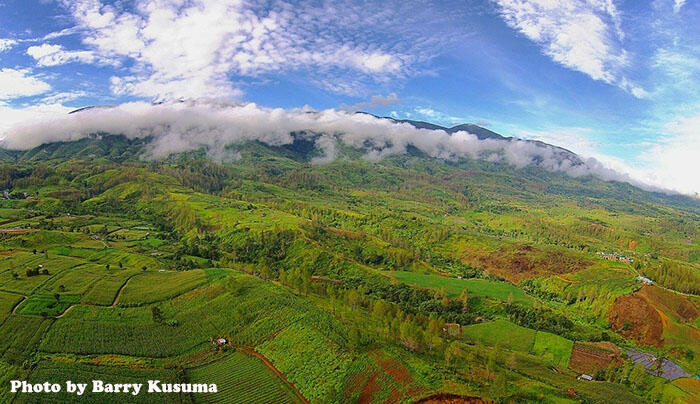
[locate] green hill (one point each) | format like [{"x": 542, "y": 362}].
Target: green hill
[{"x": 353, "y": 280}]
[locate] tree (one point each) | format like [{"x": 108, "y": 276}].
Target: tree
[
  {"x": 157, "y": 314},
  {"x": 464, "y": 299},
  {"x": 61, "y": 288},
  {"x": 637, "y": 376},
  {"x": 107, "y": 266},
  {"x": 498, "y": 388},
  {"x": 57, "y": 296},
  {"x": 354, "y": 336},
  {"x": 452, "y": 353}
]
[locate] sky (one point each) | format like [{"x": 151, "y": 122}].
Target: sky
[{"x": 615, "y": 80}]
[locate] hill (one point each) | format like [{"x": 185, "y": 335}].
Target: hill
[{"x": 351, "y": 280}]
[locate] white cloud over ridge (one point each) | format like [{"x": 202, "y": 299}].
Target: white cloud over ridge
[
  {"x": 182, "y": 126},
  {"x": 582, "y": 35}
]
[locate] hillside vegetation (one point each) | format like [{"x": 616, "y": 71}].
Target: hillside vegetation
[{"x": 349, "y": 281}]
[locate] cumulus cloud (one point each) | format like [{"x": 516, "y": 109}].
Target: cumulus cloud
[
  {"x": 677, "y": 5},
  {"x": 20, "y": 83},
  {"x": 673, "y": 159},
  {"x": 7, "y": 44},
  {"x": 583, "y": 35},
  {"x": 53, "y": 55},
  {"x": 191, "y": 49},
  {"x": 375, "y": 101},
  {"x": 182, "y": 126}
]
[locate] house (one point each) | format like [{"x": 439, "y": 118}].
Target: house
[
  {"x": 585, "y": 377},
  {"x": 161, "y": 270},
  {"x": 645, "y": 281},
  {"x": 453, "y": 329}
]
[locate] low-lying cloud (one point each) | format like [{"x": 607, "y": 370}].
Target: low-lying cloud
[{"x": 183, "y": 126}]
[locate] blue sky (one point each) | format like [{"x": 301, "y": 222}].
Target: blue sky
[{"x": 611, "y": 79}]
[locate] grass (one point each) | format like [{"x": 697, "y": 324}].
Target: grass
[
  {"x": 75, "y": 281},
  {"x": 45, "y": 303},
  {"x": 240, "y": 379},
  {"x": 552, "y": 348},
  {"x": 502, "y": 333},
  {"x": 454, "y": 287},
  {"x": 320, "y": 379},
  {"x": 153, "y": 287},
  {"x": 7, "y": 302},
  {"x": 105, "y": 290},
  {"x": 26, "y": 332}
]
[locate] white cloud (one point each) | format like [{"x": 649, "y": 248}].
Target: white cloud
[
  {"x": 11, "y": 116},
  {"x": 582, "y": 35},
  {"x": 578, "y": 140},
  {"x": 191, "y": 49},
  {"x": 674, "y": 159},
  {"x": 671, "y": 162},
  {"x": 438, "y": 116},
  {"x": 375, "y": 101},
  {"x": 53, "y": 55},
  {"x": 20, "y": 83},
  {"x": 63, "y": 97},
  {"x": 677, "y": 5},
  {"x": 7, "y": 44}
]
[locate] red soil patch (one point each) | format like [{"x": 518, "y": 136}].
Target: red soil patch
[
  {"x": 519, "y": 262},
  {"x": 636, "y": 319},
  {"x": 370, "y": 389},
  {"x": 444, "y": 398},
  {"x": 590, "y": 357},
  {"x": 673, "y": 304},
  {"x": 18, "y": 231},
  {"x": 346, "y": 234},
  {"x": 394, "y": 369}
]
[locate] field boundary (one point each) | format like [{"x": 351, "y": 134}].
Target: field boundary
[{"x": 272, "y": 367}]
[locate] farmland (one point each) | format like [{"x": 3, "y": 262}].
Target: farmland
[
  {"x": 241, "y": 379},
  {"x": 454, "y": 287},
  {"x": 352, "y": 281}
]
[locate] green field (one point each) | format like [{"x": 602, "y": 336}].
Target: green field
[
  {"x": 104, "y": 291},
  {"x": 552, "y": 348},
  {"x": 157, "y": 286},
  {"x": 502, "y": 333},
  {"x": 240, "y": 379},
  {"x": 37, "y": 304},
  {"x": 454, "y": 287},
  {"x": 7, "y": 302}
]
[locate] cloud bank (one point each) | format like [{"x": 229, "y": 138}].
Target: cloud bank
[{"x": 182, "y": 126}]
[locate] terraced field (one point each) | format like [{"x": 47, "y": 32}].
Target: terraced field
[{"x": 241, "y": 378}]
